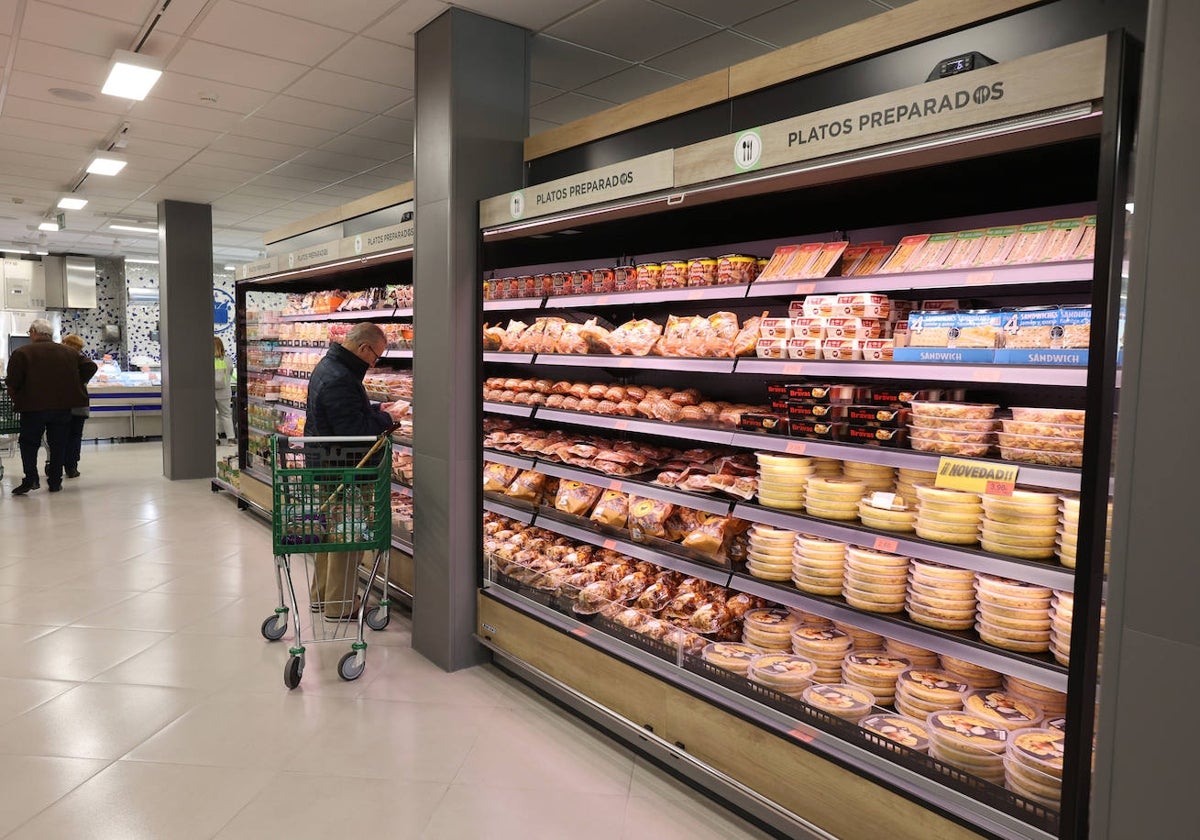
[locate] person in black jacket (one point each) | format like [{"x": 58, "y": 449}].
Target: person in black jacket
[{"x": 338, "y": 407}]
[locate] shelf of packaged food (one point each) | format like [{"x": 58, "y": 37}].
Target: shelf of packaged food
[
  {"x": 854, "y": 533},
  {"x": 291, "y": 375},
  {"x": 629, "y": 424},
  {"x": 508, "y": 460},
  {"x": 713, "y": 574},
  {"x": 960, "y": 644},
  {"x": 405, "y": 448},
  {"x": 402, "y": 545},
  {"x": 255, "y": 400},
  {"x": 260, "y": 475},
  {"x": 261, "y": 369},
  {"x": 513, "y": 304},
  {"x": 649, "y": 490},
  {"x": 1077, "y": 272},
  {"x": 1054, "y": 478},
  {"x": 286, "y": 346},
  {"x": 508, "y": 358},
  {"x": 1050, "y": 375},
  {"x": 389, "y": 312},
  {"x": 286, "y": 406},
  {"x": 511, "y": 409},
  {"x": 401, "y": 487},
  {"x": 693, "y": 293},
  {"x": 501, "y": 509},
  {"x": 397, "y": 354},
  {"x": 636, "y": 362},
  {"x": 260, "y": 429}
]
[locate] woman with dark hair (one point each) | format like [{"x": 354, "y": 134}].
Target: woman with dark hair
[{"x": 79, "y": 416}]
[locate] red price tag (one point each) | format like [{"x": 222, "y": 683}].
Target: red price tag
[
  {"x": 980, "y": 278},
  {"x": 615, "y": 486},
  {"x": 625, "y": 363},
  {"x": 795, "y": 448},
  {"x": 695, "y": 294},
  {"x": 800, "y": 736},
  {"x": 1000, "y": 488},
  {"x": 603, "y": 300},
  {"x": 792, "y": 369},
  {"x": 884, "y": 544},
  {"x": 610, "y": 544},
  {"x": 621, "y": 425},
  {"x": 804, "y": 288},
  {"x": 581, "y": 632}
]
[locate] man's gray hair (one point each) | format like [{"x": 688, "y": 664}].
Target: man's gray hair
[
  {"x": 366, "y": 333},
  {"x": 42, "y": 327}
]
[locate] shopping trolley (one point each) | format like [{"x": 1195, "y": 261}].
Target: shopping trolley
[
  {"x": 331, "y": 498},
  {"x": 10, "y": 425}
]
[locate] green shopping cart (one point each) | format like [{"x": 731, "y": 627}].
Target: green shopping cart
[{"x": 10, "y": 425}]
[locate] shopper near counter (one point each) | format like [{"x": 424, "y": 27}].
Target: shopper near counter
[
  {"x": 223, "y": 391},
  {"x": 338, "y": 407},
  {"x": 79, "y": 416},
  {"x": 46, "y": 380}
]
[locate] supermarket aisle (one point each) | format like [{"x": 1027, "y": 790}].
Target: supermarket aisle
[{"x": 138, "y": 700}]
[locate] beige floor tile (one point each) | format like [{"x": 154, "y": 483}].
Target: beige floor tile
[
  {"x": 206, "y": 663},
  {"x": 32, "y": 783},
  {"x": 128, "y": 575},
  {"x": 224, "y": 580},
  {"x": 242, "y": 617},
  {"x": 297, "y": 806},
  {"x": 95, "y": 721},
  {"x": 18, "y": 696},
  {"x": 137, "y": 801},
  {"x": 164, "y": 612},
  {"x": 58, "y": 606},
  {"x": 410, "y": 676},
  {"x": 501, "y": 813},
  {"x": 11, "y": 592},
  {"x": 73, "y": 653},
  {"x": 694, "y": 818},
  {"x": 48, "y": 570}
]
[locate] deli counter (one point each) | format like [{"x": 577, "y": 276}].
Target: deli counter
[{"x": 124, "y": 404}]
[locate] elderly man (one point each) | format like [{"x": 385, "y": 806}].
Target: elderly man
[
  {"x": 46, "y": 380},
  {"x": 338, "y": 407}
]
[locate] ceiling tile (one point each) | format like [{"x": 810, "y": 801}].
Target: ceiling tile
[
  {"x": 127, "y": 11},
  {"x": 279, "y": 132},
  {"x": 179, "y": 87},
  {"x": 142, "y": 128},
  {"x": 716, "y": 52},
  {"x": 722, "y": 12},
  {"x": 179, "y": 16},
  {"x": 60, "y": 63},
  {"x": 154, "y": 148},
  {"x": 538, "y": 126},
  {"x": 316, "y": 115},
  {"x": 63, "y": 27},
  {"x": 568, "y": 108},
  {"x": 405, "y": 110},
  {"x": 351, "y": 17},
  {"x": 254, "y": 30},
  {"x": 372, "y": 183},
  {"x": 539, "y": 93},
  {"x": 630, "y": 84},
  {"x": 605, "y": 27},
  {"x": 379, "y": 61},
  {"x": 239, "y": 165},
  {"x": 291, "y": 184},
  {"x": 276, "y": 152},
  {"x": 400, "y": 24},
  {"x": 50, "y": 148},
  {"x": 338, "y": 89},
  {"x": 319, "y": 175},
  {"x": 10, "y": 124},
  {"x": 35, "y": 86},
  {"x": 562, "y": 65},
  {"x": 370, "y": 147},
  {"x": 209, "y": 61},
  {"x": 55, "y": 114},
  {"x": 160, "y": 45},
  {"x": 531, "y": 14},
  {"x": 800, "y": 21},
  {"x": 190, "y": 116},
  {"x": 344, "y": 163},
  {"x": 8, "y": 14},
  {"x": 397, "y": 172}
]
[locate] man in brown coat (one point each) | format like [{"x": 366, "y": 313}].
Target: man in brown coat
[{"x": 46, "y": 381}]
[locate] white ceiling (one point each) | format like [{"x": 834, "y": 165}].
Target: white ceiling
[{"x": 274, "y": 110}]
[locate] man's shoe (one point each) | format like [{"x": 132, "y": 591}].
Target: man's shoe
[
  {"x": 55, "y": 488},
  {"x": 25, "y": 486},
  {"x": 72, "y": 473}
]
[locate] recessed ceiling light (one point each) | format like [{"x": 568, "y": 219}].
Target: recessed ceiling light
[
  {"x": 134, "y": 228},
  {"x": 140, "y": 261},
  {"x": 131, "y": 75},
  {"x": 48, "y": 226},
  {"x": 68, "y": 203},
  {"x": 106, "y": 163}
]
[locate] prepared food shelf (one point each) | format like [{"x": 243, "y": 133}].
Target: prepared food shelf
[
  {"x": 254, "y": 400},
  {"x": 625, "y": 424},
  {"x": 356, "y": 315},
  {"x": 402, "y": 488},
  {"x": 509, "y": 409},
  {"x": 497, "y": 357},
  {"x": 514, "y": 305},
  {"x": 402, "y": 545},
  {"x": 698, "y": 293},
  {"x": 642, "y": 489},
  {"x": 986, "y": 374},
  {"x": 397, "y": 354},
  {"x": 492, "y": 456},
  {"x": 636, "y": 362},
  {"x": 500, "y": 508},
  {"x": 1041, "y": 574}
]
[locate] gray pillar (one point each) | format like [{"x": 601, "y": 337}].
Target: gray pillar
[
  {"x": 185, "y": 302},
  {"x": 472, "y": 116},
  {"x": 1145, "y": 783}
]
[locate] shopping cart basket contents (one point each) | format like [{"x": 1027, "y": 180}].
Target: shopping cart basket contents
[
  {"x": 10, "y": 425},
  {"x": 331, "y": 515}
]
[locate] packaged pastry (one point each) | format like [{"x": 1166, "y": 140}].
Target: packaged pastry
[
  {"x": 846, "y": 701},
  {"x": 851, "y": 327},
  {"x": 862, "y": 305},
  {"x": 902, "y": 258},
  {"x": 575, "y": 497},
  {"x": 841, "y": 349},
  {"x": 1030, "y": 242},
  {"x": 819, "y": 306},
  {"x": 732, "y": 656},
  {"x": 997, "y": 243},
  {"x": 808, "y": 327},
  {"x": 775, "y": 328},
  {"x": 497, "y": 477},
  {"x": 528, "y": 486},
  {"x": 878, "y": 349},
  {"x": 771, "y": 348},
  {"x": 1002, "y": 709},
  {"x": 805, "y": 348},
  {"x": 710, "y": 536},
  {"x": 649, "y": 516}
]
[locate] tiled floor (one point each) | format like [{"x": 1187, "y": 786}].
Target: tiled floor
[{"x": 138, "y": 700}]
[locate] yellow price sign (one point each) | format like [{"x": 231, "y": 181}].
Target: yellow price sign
[{"x": 976, "y": 476}]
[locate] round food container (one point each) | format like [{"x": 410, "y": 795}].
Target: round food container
[
  {"x": 649, "y": 276},
  {"x": 732, "y": 656},
  {"x": 674, "y": 274},
  {"x": 898, "y": 729},
  {"x": 1002, "y": 709},
  {"x": 702, "y": 271},
  {"x": 846, "y": 701},
  {"x": 733, "y": 269}
]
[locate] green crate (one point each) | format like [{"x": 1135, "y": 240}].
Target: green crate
[
  {"x": 323, "y": 501},
  {"x": 10, "y": 424}
]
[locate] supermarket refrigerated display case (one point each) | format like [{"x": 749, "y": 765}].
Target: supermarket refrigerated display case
[
  {"x": 1066, "y": 161},
  {"x": 286, "y": 322}
]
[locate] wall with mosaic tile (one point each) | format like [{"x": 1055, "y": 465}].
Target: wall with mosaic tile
[{"x": 89, "y": 324}]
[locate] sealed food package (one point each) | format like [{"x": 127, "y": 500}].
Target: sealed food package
[
  {"x": 861, "y": 305},
  {"x": 649, "y": 276},
  {"x": 575, "y": 497},
  {"x": 497, "y": 477},
  {"x": 710, "y": 536},
  {"x": 967, "y": 245},
  {"x": 872, "y": 261},
  {"x": 904, "y": 255},
  {"x": 528, "y": 486},
  {"x": 1062, "y": 240},
  {"x": 595, "y": 337},
  {"x": 1074, "y": 328},
  {"x": 1030, "y": 242},
  {"x": 674, "y": 274},
  {"x": 746, "y": 341},
  {"x": 878, "y": 349},
  {"x": 702, "y": 271},
  {"x": 825, "y": 259},
  {"x": 934, "y": 252},
  {"x": 771, "y": 348},
  {"x": 819, "y": 306},
  {"x": 649, "y": 516},
  {"x": 931, "y": 329},
  {"x": 997, "y": 243},
  {"x": 1031, "y": 327},
  {"x": 734, "y": 269},
  {"x": 1086, "y": 249},
  {"x": 625, "y": 279},
  {"x": 805, "y": 348},
  {"x": 635, "y": 338},
  {"x": 675, "y": 335},
  {"x": 979, "y": 330}
]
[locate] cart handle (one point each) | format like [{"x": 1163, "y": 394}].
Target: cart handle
[{"x": 383, "y": 436}]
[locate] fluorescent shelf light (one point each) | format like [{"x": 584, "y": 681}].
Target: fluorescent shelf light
[
  {"x": 42, "y": 253},
  {"x": 141, "y": 261},
  {"x": 134, "y": 228},
  {"x": 230, "y": 268},
  {"x": 48, "y": 226},
  {"x": 68, "y": 203},
  {"x": 131, "y": 76},
  {"x": 16, "y": 251},
  {"x": 106, "y": 163}
]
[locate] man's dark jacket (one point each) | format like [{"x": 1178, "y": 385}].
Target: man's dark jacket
[
  {"x": 337, "y": 402},
  {"x": 45, "y": 376}
]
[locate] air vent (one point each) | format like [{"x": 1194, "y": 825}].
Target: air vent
[{"x": 72, "y": 95}]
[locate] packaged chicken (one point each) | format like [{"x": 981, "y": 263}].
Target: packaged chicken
[
  {"x": 709, "y": 537},
  {"x": 497, "y": 477},
  {"x": 575, "y": 497},
  {"x": 649, "y": 516},
  {"x": 635, "y": 338},
  {"x": 746, "y": 342},
  {"x": 528, "y": 486}
]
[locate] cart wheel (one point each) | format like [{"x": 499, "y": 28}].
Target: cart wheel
[
  {"x": 349, "y": 668},
  {"x": 274, "y": 627},
  {"x": 377, "y": 618},
  {"x": 292, "y": 671}
]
